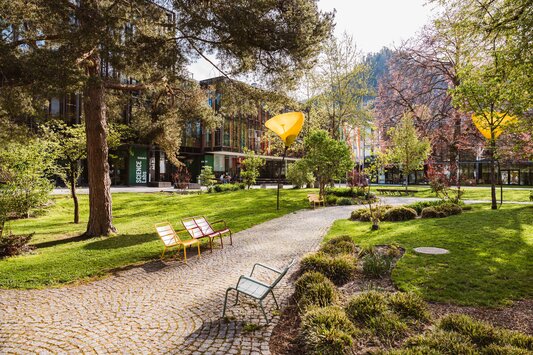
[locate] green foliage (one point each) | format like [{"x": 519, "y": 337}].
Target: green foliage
[
  {"x": 226, "y": 187},
  {"x": 24, "y": 168},
  {"x": 339, "y": 269},
  {"x": 331, "y": 200},
  {"x": 339, "y": 245},
  {"x": 364, "y": 215},
  {"x": 327, "y": 331},
  {"x": 438, "y": 342},
  {"x": 326, "y": 158},
  {"x": 351, "y": 192},
  {"x": 397, "y": 214},
  {"x": 344, "y": 201},
  {"x": 442, "y": 210},
  {"x": 376, "y": 266},
  {"x": 407, "y": 150},
  {"x": 207, "y": 177},
  {"x": 420, "y": 205},
  {"x": 408, "y": 305},
  {"x": 365, "y": 306},
  {"x": 314, "y": 289},
  {"x": 250, "y": 168},
  {"x": 299, "y": 175},
  {"x": 11, "y": 245},
  {"x": 387, "y": 327}
]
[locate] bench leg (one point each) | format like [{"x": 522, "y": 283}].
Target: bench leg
[
  {"x": 263, "y": 310},
  {"x": 211, "y": 244},
  {"x": 198, "y": 245},
  {"x": 221, "y": 242},
  {"x": 275, "y": 300},
  {"x": 236, "y": 299},
  {"x": 230, "y": 238},
  {"x": 226, "y": 302},
  {"x": 164, "y": 250},
  {"x": 184, "y": 254}
]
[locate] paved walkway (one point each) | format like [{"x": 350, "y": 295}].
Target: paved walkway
[{"x": 166, "y": 307}]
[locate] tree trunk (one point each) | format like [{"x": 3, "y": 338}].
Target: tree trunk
[
  {"x": 100, "y": 206},
  {"x": 494, "y": 205},
  {"x": 406, "y": 182},
  {"x": 74, "y": 198}
]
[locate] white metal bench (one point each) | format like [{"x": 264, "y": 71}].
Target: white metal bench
[{"x": 257, "y": 289}]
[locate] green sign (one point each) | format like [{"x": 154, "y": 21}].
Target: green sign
[{"x": 138, "y": 166}]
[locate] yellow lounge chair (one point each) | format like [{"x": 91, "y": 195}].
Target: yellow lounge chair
[{"x": 171, "y": 239}]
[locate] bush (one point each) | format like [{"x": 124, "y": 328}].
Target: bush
[
  {"x": 331, "y": 200},
  {"x": 363, "y": 214},
  {"x": 376, "y": 266},
  {"x": 419, "y": 206},
  {"x": 350, "y": 192},
  {"x": 314, "y": 289},
  {"x": 397, "y": 214},
  {"x": 299, "y": 175},
  {"x": 339, "y": 245},
  {"x": 339, "y": 269},
  {"x": 365, "y": 306},
  {"x": 327, "y": 331},
  {"x": 227, "y": 187},
  {"x": 344, "y": 201},
  {"x": 440, "y": 342},
  {"x": 388, "y": 327},
  {"x": 441, "y": 211},
  {"x": 11, "y": 245},
  {"x": 207, "y": 177},
  {"x": 408, "y": 305}
]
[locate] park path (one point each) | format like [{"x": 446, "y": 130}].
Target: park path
[{"x": 168, "y": 307}]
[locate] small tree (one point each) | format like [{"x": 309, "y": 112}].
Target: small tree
[
  {"x": 250, "y": 168},
  {"x": 374, "y": 167},
  {"x": 298, "y": 174},
  {"x": 326, "y": 158},
  {"x": 24, "y": 168},
  {"x": 207, "y": 177},
  {"x": 408, "y": 150}
]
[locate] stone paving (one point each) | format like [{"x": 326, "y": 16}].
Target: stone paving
[{"x": 165, "y": 307}]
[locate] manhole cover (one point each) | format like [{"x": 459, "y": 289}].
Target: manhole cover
[{"x": 431, "y": 250}]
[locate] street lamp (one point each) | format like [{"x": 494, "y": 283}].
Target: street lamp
[{"x": 287, "y": 126}]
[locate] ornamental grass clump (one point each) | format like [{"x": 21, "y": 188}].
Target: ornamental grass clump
[
  {"x": 398, "y": 214},
  {"x": 327, "y": 331},
  {"x": 438, "y": 342},
  {"x": 314, "y": 289},
  {"x": 339, "y": 269},
  {"x": 339, "y": 245},
  {"x": 443, "y": 210},
  {"x": 408, "y": 306},
  {"x": 376, "y": 266},
  {"x": 11, "y": 244},
  {"x": 365, "y": 306}
]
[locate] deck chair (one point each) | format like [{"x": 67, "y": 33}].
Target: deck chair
[
  {"x": 171, "y": 239},
  {"x": 198, "y": 227},
  {"x": 257, "y": 289}
]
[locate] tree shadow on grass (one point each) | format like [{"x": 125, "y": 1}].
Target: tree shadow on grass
[
  {"x": 52, "y": 243},
  {"x": 120, "y": 241}
]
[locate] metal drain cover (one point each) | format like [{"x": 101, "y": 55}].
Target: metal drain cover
[{"x": 431, "y": 250}]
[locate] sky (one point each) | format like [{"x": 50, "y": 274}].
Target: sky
[{"x": 372, "y": 23}]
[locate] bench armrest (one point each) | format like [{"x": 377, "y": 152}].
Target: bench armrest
[
  {"x": 220, "y": 221},
  {"x": 266, "y": 267},
  {"x": 252, "y": 280}
]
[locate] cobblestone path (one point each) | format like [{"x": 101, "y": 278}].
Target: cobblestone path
[{"x": 168, "y": 307}]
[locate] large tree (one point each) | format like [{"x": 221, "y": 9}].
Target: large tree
[{"x": 101, "y": 47}]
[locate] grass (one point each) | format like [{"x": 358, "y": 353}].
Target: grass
[
  {"x": 490, "y": 261},
  {"x": 62, "y": 258},
  {"x": 472, "y": 193}
]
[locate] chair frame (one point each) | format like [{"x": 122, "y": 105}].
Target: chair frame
[
  {"x": 211, "y": 236},
  {"x": 177, "y": 241},
  {"x": 315, "y": 199},
  {"x": 260, "y": 297}
]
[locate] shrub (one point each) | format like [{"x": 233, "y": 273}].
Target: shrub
[
  {"x": 350, "y": 192},
  {"x": 11, "y": 245},
  {"x": 388, "y": 327},
  {"x": 365, "y": 306},
  {"x": 207, "y": 177},
  {"x": 327, "y": 331},
  {"x": 339, "y": 245},
  {"x": 226, "y": 187},
  {"x": 331, "y": 200},
  {"x": 299, "y": 175},
  {"x": 442, "y": 210},
  {"x": 344, "y": 201},
  {"x": 314, "y": 289},
  {"x": 408, "y": 305},
  {"x": 375, "y": 265},
  {"x": 363, "y": 214},
  {"x": 419, "y": 206},
  {"x": 494, "y": 349},
  {"x": 440, "y": 342},
  {"x": 480, "y": 333},
  {"x": 339, "y": 269},
  {"x": 397, "y": 214}
]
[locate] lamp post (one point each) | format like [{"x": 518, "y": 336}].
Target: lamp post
[{"x": 287, "y": 126}]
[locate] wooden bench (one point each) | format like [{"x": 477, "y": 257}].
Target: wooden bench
[
  {"x": 315, "y": 200},
  {"x": 399, "y": 192}
]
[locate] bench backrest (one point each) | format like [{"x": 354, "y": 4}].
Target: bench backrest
[
  {"x": 283, "y": 272},
  {"x": 191, "y": 227},
  {"x": 166, "y": 233},
  {"x": 313, "y": 198},
  {"x": 204, "y": 226}
]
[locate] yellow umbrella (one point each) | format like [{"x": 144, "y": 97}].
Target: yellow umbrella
[
  {"x": 496, "y": 124},
  {"x": 287, "y": 126}
]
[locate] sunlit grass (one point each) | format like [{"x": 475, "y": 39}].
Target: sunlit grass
[
  {"x": 490, "y": 261},
  {"x": 59, "y": 258}
]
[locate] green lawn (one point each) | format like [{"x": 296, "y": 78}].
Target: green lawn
[
  {"x": 471, "y": 193},
  {"x": 60, "y": 258},
  {"x": 490, "y": 261}
]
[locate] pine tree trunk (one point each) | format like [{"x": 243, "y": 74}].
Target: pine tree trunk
[
  {"x": 74, "y": 198},
  {"x": 100, "y": 206}
]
